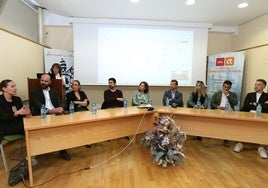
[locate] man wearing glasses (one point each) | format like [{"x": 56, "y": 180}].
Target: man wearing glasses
[{"x": 219, "y": 99}]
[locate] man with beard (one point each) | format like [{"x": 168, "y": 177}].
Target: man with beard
[
  {"x": 112, "y": 97},
  {"x": 44, "y": 95}
]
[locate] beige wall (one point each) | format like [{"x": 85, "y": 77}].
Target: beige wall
[
  {"x": 20, "y": 59},
  {"x": 253, "y": 36},
  {"x": 219, "y": 42}
]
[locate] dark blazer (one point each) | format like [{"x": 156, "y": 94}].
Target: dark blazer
[
  {"x": 251, "y": 98},
  {"x": 37, "y": 98},
  {"x": 71, "y": 97},
  {"x": 8, "y": 123},
  {"x": 216, "y": 99},
  {"x": 178, "y": 98}
]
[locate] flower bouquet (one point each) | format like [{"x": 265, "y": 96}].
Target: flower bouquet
[{"x": 165, "y": 142}]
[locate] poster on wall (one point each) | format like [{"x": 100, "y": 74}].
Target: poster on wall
[
  {"x": 225, "y": 66},
  {"x": 65, "y": 59}
]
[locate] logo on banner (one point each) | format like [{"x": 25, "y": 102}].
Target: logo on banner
[
  {"x": 220, "y": 61},
  {"x": 227, "y": 61}
]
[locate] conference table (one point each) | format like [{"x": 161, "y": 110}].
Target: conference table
[
  {"x": 72, "y": 130},
  {"x": 58, "y": 132},
  {"x": 219, "y": 124}
]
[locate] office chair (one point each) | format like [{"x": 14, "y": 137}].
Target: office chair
[{"x": 9, "y": 138}]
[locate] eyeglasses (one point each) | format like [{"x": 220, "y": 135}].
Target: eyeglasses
[{"x": 227, "y": 87}]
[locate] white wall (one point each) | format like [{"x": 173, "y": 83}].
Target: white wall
[{"x": 20, "y": 19}]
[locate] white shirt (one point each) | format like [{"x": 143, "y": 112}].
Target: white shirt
[
  {"x": 224, "y": 99},
  {"x": 48, "y": 104},
  {"x": 258, "y": 95},
  {"x": 57, "y": 76}
]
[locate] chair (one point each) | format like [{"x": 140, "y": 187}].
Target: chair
[
  {"x": 9, "y": 138},
  {"x": 34, "y": 83}
]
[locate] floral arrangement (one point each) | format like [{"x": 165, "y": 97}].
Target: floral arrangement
[{"x": 165, "y": 142}]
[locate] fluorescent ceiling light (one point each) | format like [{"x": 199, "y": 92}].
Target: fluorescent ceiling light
[
  {"x": 190, "y": 2},
  {"x": 242, "y": 5},
  {"x": 134, "y": 1}
]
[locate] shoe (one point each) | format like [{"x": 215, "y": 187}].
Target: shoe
[
  {"x": 226, "y": 143},
  {"x": 126, "y": 137},
  {"x": 64, "y": 155},
  {"x": 262, "y": 152},
  {"x": 199, "y": 138},
  {"x": 88, "y": 145},
  {"x": 238, "y": 147}
]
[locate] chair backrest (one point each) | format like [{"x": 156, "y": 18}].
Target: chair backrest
[{"x": 34, "y": 83}]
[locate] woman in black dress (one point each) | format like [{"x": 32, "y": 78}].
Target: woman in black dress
[
  {"x": 12, "y": 110},
  {"x": 78, "y": 97}
]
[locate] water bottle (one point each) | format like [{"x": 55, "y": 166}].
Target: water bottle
[
  {"x": 227, "y": 106},
  {"x": 71, "y": 107},
  {"x": 258, "y": 110},
  {"x": 167, "y": 102},
  {"x": 125, "y": 103},
  {"x": 237, "y": 106},
  {"x": 43, "y": 112},
  {"x": 94, "y": 108},
  {"x": 198, "y": 105}
]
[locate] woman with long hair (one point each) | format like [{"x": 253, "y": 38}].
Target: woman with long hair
[{"x": 199, "y": 94}]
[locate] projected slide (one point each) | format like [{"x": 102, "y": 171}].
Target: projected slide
[
  {"x": 135, "y": 53},
  {"x": 152, "y": 55}
]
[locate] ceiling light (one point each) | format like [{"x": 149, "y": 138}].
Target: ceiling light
[
  {"x": 190, "y": 2},
  {"x": 242, "y": 5},
  {"x": 134, "y": 1}
]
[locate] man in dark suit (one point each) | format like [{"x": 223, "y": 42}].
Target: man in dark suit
[
  {"x": 51, "y": 99},
  {"x": 175, "y": 97},
  {"x": 251, "y": 101},
  {"x": 257, "y": 97},
  {"x": 220, "y": 98}
]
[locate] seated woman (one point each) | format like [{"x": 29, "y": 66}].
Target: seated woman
[
  {"x": 142, "y": 96},
  {"x": 12, "y": 110},
  {"x": 199, "y": 94},
  {"x": 78, "y": 97}
]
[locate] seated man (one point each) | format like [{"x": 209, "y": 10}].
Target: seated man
[
  {"x": 112, "y": 97},
  {"x": 219, "y": 99},
  {"x": 251, "y": 101},
  {"x": 175, "y": 97},
  {"x": 51, "y": 99}
]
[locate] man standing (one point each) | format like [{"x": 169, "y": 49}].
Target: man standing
[
  {"x": 175, "y": 97},
  {"x": 112, "y": 97},
  {"x": 44, "y": 95},
  {"x": 251, "y": 101},
  {"x": 219, "y": 99}
]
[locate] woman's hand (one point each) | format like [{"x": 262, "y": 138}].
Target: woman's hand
[{"x": 23, "y": 111}]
